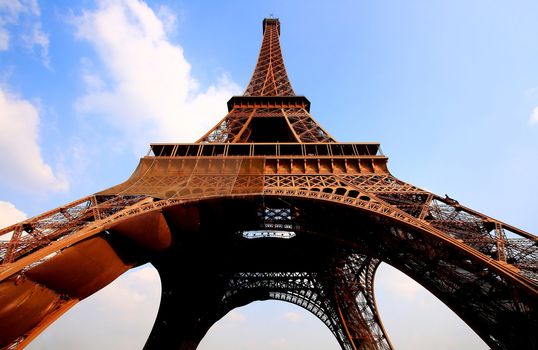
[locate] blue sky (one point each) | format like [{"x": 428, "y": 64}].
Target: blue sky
[{"x": 450, "y": 89}]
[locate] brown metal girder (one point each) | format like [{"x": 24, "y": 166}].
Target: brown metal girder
[
  {"x": 425, "y": 206},
  {"x": 504, "y": 269},
  {"x": 320, "y": 127},
  {"x": 269, "y": 73},
  {"x": 297, "y": 138},
  {"x": 77, "y": 272},
  {"x": 490, "y": 219},
  {"x": 201, "y": 139},
  {"x": 269, "y": 69},
  {"x": 46, "y": 214},
  {"x": 270, "y": 52},
  {"x": 91, "y": 229},
  {"x": 298, "y": 102},
  {"x": 58, "y": 228},
  {"x": 315, "y": 195},
  {"x": 42, "y": 240},
  {"x": 360, "y": 248},
  {"x": 243, "y": 297},
  {"x": 245, "y": 126},
  {"x": 368, "y": 286},
  {"x": 464, "y": 246},
  {"x": 344, "y": 323},
  {"x": 374, "y": 300},
  {"x": 473, "y": 323}
]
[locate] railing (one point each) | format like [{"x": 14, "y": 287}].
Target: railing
[{"x": 266, "y": 149}]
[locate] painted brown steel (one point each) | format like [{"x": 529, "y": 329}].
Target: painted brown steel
[
  {"x": 317, "y": 195},
  {"x": 268, "y": 178},
  {"x": 270, "y": 77}
]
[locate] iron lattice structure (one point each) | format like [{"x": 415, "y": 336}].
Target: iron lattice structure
[{"x": 267, "y": 205}]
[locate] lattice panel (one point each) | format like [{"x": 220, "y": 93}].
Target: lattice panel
[
  {"x": 32, "y": 234},
  {"x": 380, "y": 184},
  {"x": 355, "y": 282},
  {"x": 306, "y": 127},
  {"x": 478, "y": 231},
  {"x": 235, "y": 127},
  {"x": 444, "y": 216},
  {"x": 248, "y": 184},
  {"x": 230, "y": 127},
  {"x": 312, "y": 291},
  {"x": 303, "y": 181},
  {"x": 269, "y": 112},
  {"x": 270, "y": 77}
]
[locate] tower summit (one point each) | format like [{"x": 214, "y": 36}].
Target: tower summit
[
  {"x": 267, "y": 205},
  {"x": 269, "y": 110},
  {"x": 270, "y": 77}
]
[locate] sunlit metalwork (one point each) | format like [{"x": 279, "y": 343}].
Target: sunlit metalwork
[{"x": 207, "y": 216}]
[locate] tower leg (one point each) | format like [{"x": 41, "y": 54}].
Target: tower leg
[
  {"x": 186, "y": 309},
  {"x": 355, "y": 302}
]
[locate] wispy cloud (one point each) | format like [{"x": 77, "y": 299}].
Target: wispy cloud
[
  {"x": 168, "y": 18},
  {"x": 37, "y": 38},
  {"x": 11, "y": 10},
  {"x": 22, "y": 164},
  {"x": 534, "y": 116},
  {"x": 4, "y": 39},
  {"x": 31, "y": 33},
  {"x": 150, "y": 94}
]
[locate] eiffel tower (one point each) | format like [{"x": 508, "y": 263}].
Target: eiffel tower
[{"x": 268, "y": 205}]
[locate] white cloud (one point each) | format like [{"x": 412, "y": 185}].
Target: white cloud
[
  {"x": 92, "y": 80},
  {"x": 534, "y": 116},
  {"x": 127, "y": 293},
  {"x": 36, "y": 37},
  {"x": 21, "y": 160},
  {"x": 10, "y": 11},
  {"x": 10, "y": 215},
  {"x": 119, "y": 316},
  {"x": 168, "y": 18},
  {"x": 131, "y": 298},
  {"x": 293, "y": 316},
  {"x": 151, "y": 94},
  {"x": 4, "y": 39}
]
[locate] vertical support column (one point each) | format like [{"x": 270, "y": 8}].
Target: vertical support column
[
  {"x": 189, "y": 299},
  {"x": 425, "y": 207},
  {"x": 354, "y": 293},
  {"x": 12, "y": 246},
  {"x": 500, "y": 239}
]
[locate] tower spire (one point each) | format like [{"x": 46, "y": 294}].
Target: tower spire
[
  {"x": 270, "y": 77},
  {"x": 269, "y": 110}
]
